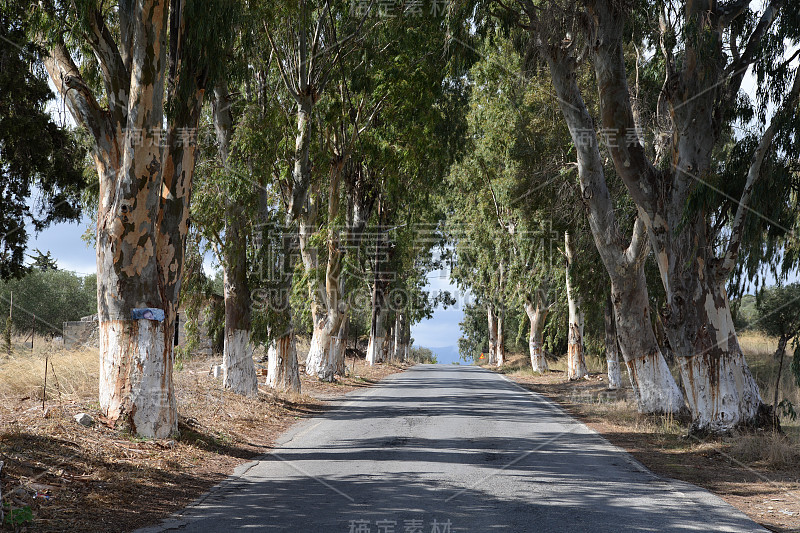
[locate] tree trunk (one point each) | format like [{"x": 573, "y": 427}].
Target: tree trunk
[
  {"x": 388, "y": 341},
  {"x": 612, "y": 352},
  {"x": 537, "y": 314},
  {"x": 720, "y": 390},
  {"x": 377, "y": 329},
  {"x": 779, "y": 353},
  {"x": 144, "y": 187},
  {"x": 399, "y": 336},
  {"x": 339, "y": 348},
  {"x": 576, "y": 362},
  {"x": 282, "y": 371},
  {"x": 407, "y": 340},
  {"x": 237, "y": 357},
  {"x": 327, "y": 305},
  {"x": 654, "y": 386},
  {"x": 500, "y": 356},
  {"x": 492, "y": 324}
]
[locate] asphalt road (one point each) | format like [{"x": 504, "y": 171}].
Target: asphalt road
[{"x": 442, "y": 449}]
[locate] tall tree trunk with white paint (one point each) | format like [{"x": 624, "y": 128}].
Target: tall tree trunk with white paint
[
  {"x": 145, "y": 173},
  {"x": 537, "y": 314},
  {"x": 339, "y": 347},
  {"x": 492, "y": 329},
  {"x": 399, "y": 336},
  {"x": 377, "y": 329},
  {"x": 576, "y": 361},
  {"x": 282, "y": 371},
  {"x": 239, "y": 371},
  {"x": 500, "y": 355},
  {"x": 656, "y": 390},
  {"x": 612, "y": 351},
  {"x": 237, "y": 357},
  {"x": 721, "y": 392}
]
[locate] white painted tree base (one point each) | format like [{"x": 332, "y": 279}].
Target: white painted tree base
[
  {"x": 374, "y": 349},
  {"x": 614, "y": 374},
  {"x": 239, "y": 371},
  {"x": 720, "y": 390},
  {"x": 538, "y": 360},
  {"x": 136, "y": 377},
  {"x": 319, "y": 361},
  {"x": 653, "y": 385},
  {"x": 282, "y": 371}
]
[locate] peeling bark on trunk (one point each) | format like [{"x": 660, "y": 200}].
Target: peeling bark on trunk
[
  {"x": 537, "y": 314},
  {"x": 282, "y": 371},
  {"x": 612, "y": 351},
  {"x": 721, "y": 393},
  {"x": 576, "y": 362},
  {"x": 720, "y": 390},
  {"x": 654, "y": 387},
  {"x": 656, "y": 390},
  {"x": 145, "y": 174},
  {"x": 139, "y": 350}
]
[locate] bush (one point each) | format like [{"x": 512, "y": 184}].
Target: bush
[
  {"x": 422, "y": 355},
  {"x": 53, "y": 296}
]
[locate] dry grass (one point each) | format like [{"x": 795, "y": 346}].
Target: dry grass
[
  {"x": 72, "y": 374},
  {"x": 773, "y": 450},
  {"x": 759, "y": 351},
  {"x": 99, "y": 478}
]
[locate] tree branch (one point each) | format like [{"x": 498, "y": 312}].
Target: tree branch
[
  {"x": 293, "y": 90},
  {"x": 79, "y": 97},
  {"x": 630, "y": 159},
  {"x": 728, "y": 12},
  {"x": 753, "y": 173},
  {"x": 738, "y": 69},
  {"x": 116, "y": 76}
]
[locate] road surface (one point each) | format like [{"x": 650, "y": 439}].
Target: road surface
[{"x": 442, "y": 449}]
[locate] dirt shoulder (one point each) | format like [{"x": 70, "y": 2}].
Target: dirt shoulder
[
  {"x": 77, "y": 478},
  {"x": 759, "y": 474}
]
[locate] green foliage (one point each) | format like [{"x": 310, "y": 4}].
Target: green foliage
[
  {"x": 779, "y": 311},
  {"x": 53, "y": 296},
  {"x": 43, "y": 261},
  {"x": 786, "y": 409},
  {"x": 422, "y": 355},
  {"x": 41, "y": 163},
  {"x": 16, "y": 517},
  {"x": 475, "y": 333}
]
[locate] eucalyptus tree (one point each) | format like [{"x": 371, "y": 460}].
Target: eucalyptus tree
[
  {"x": 504, "y": 187},
  {"x": 412, "y": 142},
  {"x": 548, "y": 35},
  {"x": 696, "y": 233},
  {"x": 134, "y": 75}
]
